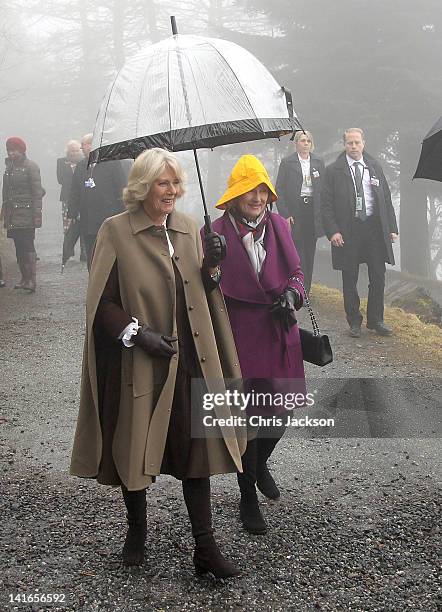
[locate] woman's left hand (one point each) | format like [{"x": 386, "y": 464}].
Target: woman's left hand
[{"x": 285, "y": 306}]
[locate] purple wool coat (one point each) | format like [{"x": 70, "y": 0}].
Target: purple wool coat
[{"x": 266, "y": 351}]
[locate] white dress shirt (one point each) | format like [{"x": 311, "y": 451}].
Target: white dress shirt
[
  {"x": 366, "y": 183},
  {"x": 307, "y": 188}
]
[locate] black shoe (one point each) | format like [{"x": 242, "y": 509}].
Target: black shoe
[
  {"x": 208, "y": 558},
  {"x": 251, "y": 517},
  {"x": 380, "y": 328},
  {"x": 133, "y": 549},
  {"x": 355, "y": 331},
  {"x": 266, "y": 484}
]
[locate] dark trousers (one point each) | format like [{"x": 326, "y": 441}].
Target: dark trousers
[
  {"x": 23, "y": 241},
  {"x": 370, "y": 249},
  {"x": 89, "y": 241},
  {"x": 304, "y": 237}
]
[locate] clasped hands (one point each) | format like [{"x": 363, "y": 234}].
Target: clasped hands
[{"x": 285, "y": 306}]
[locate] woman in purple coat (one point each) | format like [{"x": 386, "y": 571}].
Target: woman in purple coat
[{"x": 262, "y": 284}]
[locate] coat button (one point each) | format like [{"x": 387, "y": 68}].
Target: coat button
[
  {"x": 196, "y": 334},
  {"x": 191, "y": 308},
  {"x": 177, "y": 257},
  {"x": 186, "y": 282},
  {"x": 203, "y": 359}
]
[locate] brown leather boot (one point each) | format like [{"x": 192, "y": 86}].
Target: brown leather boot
[
  {"x": 133, "y": 549},
  {"x": 207, "y": 556}
]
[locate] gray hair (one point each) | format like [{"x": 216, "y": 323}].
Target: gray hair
[{"x": 146, "y": 169}]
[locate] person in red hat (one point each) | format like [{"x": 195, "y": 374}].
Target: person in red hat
[{"x": 21, "y": 209}]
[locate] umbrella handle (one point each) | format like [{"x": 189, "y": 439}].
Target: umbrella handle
[{"x": 208, "y": 229}]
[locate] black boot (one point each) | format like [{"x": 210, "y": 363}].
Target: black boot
[
  {"x": 207, "y": 556},
  {"x": 264, "y": 480},
  {"x": 30, "y": 263},
  {"x": 133, "y": 549},
  {"x": 249, "y": 511},
  {"x": 22, "y": 267}
]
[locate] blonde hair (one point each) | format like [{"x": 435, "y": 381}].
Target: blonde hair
[
  {"x": 72, "y": 143},
  {"x": 300, "y": 133},
  {"x": 146, "y": 169},
  {"x": 357, "y": 130}
]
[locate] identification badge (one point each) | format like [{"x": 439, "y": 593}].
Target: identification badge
[
  {"x": 374, "y": 181},
  {"x": 308, "y": 180},
  {"x": 89, "y": 183},
  {"x": 358, "y": 203},
  {"x": 315, "y": 173}
]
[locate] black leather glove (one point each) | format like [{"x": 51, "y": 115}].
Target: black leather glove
[
  {"x": 157, "y": 345},
  {"x": 213, "y": 249},
  {"x": 284, "y": 307}
]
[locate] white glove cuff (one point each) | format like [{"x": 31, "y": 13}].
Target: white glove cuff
[{"x": 129, "y": 331}]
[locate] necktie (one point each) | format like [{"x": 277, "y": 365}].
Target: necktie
[{"x": 361, "y": 214}]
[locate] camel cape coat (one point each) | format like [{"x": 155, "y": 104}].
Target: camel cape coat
[{"x": 147, "y": 290}]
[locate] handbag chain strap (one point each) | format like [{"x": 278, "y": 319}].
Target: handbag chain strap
[{"x": 316, "y": 331}]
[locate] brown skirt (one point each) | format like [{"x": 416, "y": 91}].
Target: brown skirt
[{"x": 184, "y": 456}]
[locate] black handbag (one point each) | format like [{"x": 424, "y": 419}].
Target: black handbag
[{"x": 315, "y": 346}]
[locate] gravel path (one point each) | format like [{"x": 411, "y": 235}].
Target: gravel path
[{"x": 357, "y": 526}]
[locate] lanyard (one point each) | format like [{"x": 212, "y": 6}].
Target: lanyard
[{"x": 353, "y": 171}]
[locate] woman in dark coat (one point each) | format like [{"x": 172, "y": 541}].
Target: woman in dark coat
[
  {"x": 299, "y": 199},
  {"x": 149, "y": 332},
  {"x": 22, "y": 203},
  {"x": 261, "y": 280}
]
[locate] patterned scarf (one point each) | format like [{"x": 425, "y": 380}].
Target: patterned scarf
[{"x": 252, "y": 236}]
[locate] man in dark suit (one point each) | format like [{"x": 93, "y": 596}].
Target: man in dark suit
[
  {"x": 95, "y": 198},
  {"x": 299, "y": 199},
  {"x": 360, "y": 222}
]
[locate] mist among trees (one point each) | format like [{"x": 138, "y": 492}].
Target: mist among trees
[{"x": 373, "y": 64}]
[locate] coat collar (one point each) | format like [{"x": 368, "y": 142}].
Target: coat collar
[
  {"x": 294, "y": 159},
  {"x": 140, "y": 221},
  {"x": 342, "y": 163}
]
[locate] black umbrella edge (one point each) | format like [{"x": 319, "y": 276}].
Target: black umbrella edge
[{"x": 199, "y": 137}]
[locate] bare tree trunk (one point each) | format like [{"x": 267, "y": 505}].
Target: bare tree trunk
[
  {"x": 118, "y": 32},
  {"x": 86, "y": 75},
  {"x": 415, "y": 249},
  {"x": 151, "y": 15}
]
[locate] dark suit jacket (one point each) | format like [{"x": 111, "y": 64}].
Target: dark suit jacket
[
  {"x": 288, "y": 188},
  {"x": 64, "y": 177},
  {"x": 338, "y": 203},
  {"x": 95, "y": 204}
]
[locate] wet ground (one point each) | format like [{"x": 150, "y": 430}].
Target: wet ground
[{"x": 356, "y": 528}]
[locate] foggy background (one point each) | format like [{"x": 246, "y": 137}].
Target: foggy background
[{"x": 374, "y": 64}]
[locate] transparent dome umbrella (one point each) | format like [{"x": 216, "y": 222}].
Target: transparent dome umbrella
[{"x": 186, "y": 93}]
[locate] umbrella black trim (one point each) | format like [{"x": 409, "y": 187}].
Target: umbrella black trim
[{"x": 198, "y": 137}]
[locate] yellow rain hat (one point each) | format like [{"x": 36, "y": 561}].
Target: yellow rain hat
[{"x": 246, "y": 175}]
